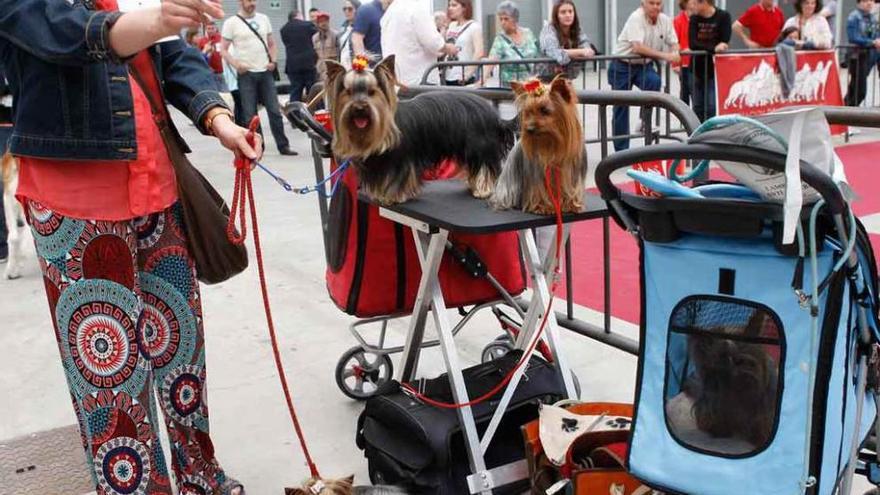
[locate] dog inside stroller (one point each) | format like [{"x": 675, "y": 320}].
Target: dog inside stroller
[{"x": 768, "y": 351}]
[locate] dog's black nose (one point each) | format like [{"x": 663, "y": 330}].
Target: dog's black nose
[{"x": 531, "y": 129}]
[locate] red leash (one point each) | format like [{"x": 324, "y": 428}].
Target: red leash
[
  {"x": 242, "y": 196},
  {"x": 556, "y": 198}
]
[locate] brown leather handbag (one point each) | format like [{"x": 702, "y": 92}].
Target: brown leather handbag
[{"x": 205, "y": 213}]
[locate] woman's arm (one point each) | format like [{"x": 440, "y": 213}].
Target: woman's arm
[
  {"x": 822, "y": 37},
  {"x": 479, "y": 50},
  {"x": 550, "y": 46},
  {"x": 64, "y": 34},
  {"x": 191, "y": 87}
]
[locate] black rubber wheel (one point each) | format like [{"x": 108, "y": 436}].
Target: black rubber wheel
[
  {"x": 496, "y": 349},
  {"x": 359, "y": 373}
]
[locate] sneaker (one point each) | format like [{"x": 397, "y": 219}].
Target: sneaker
[{"x": 287, "y": 152}]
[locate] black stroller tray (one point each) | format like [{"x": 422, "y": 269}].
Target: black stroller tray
[{"x": 447, "y": 204}]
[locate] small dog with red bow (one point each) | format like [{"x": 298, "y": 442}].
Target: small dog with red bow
[{"x": 551, "y": 137}]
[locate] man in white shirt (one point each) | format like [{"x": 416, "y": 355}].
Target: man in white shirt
[
  {"x": 250, "y": 34},
  {"x": 409, "y": 33},
  {"x": 648, "y": 33}
]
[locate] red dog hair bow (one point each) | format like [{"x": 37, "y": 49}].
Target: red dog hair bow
[
  {"x": 534, "y": 87},
  {"x": 360, "y": 63}
]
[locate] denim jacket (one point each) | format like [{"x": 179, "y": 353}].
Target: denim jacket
[
  {"x": 72, "y": 94},
  {"x": 862, "y": 28}
]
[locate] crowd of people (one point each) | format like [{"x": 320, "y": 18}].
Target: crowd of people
[{"x": 419, "y": 40}]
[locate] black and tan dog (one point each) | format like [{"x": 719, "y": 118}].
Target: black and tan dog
[
  {"x": 551, "y": 138},
  {"x": 391, "y": 144}
]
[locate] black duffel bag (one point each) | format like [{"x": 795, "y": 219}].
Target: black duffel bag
[{"x": 421, "y": 448}]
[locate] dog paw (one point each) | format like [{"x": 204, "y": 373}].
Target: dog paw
[{"x": 481, "y": 194}]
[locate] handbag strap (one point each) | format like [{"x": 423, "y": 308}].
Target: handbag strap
[
  {"x": 258, "y": 35},
  {"x": 144, "y": 73}
]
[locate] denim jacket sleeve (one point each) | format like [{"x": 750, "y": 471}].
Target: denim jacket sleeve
[
  {"x": 58, "y": 32},
  {"x": 854, "y": 31},
  {"x": 188, "y": 81}
]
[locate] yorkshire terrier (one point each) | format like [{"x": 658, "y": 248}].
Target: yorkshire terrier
[
  {"x": 550, "y": 137},
  {"x": 392, "y": 143},
  {"x": 344, "y": 486},
  {"x": 735, "y": 393}
]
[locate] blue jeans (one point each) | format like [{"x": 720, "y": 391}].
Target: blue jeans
[
  {"x": 259, "y": 87},
  {"x": 704, "y": 97},
  {"x": 301, "y": 82},
  {"x": 623, "y": 76},
  {"x": 687, "y": 85}
]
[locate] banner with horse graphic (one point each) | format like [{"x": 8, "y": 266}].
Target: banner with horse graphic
[{"x": 751, "y": 83}]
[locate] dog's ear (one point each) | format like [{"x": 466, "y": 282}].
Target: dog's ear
[
  {"x": 517, "y": 87},
  {"x": 334, "y": 70},
  {"x": 349, "y": 480},
  {"x": 388, "y": 65},
  {"x": 564, "y": 89},
  {"x": 294, "y": 491}
]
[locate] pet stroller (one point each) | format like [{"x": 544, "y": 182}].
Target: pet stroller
[
  {"x": 373, "y": 270},
  {"x": 767, "y": 351}
]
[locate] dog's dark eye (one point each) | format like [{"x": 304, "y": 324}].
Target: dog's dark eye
[
  {"x": 371, "y": 93},
  {"x": 546, "y": 111}
]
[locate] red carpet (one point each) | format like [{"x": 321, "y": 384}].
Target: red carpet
[{"x": 587, "y": 242}]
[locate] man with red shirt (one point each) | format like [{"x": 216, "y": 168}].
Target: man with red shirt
[
  {"x": 764, "y": 21},
  {"x": 680, "y": 23},
  {"x": 209, "y": 44}
]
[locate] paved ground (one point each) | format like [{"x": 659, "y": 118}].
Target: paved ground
[{"x": 250, "y": 426}]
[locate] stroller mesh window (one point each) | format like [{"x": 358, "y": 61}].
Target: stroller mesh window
[{"x": 723, "y": 367}]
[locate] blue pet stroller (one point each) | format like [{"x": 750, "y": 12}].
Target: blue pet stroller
[{"x": 758, "y": 360}]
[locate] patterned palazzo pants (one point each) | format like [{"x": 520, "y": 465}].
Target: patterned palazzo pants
[{"x": 125, "y": 303}]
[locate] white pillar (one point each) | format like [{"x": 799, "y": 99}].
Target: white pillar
[
  {"x": 307, "y": 5},
  {"x": 610, "y": 26}
]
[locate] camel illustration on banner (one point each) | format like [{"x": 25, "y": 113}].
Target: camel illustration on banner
[{"x": 763, "y": 87}]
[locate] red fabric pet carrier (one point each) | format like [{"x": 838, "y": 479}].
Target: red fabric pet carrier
[{"x": 373, "y": 267}]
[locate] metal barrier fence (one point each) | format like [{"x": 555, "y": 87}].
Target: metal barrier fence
[{"x": 592, "y": 76}]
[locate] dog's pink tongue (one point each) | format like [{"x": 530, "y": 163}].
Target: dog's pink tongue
[{"x": 361, "y": 123}]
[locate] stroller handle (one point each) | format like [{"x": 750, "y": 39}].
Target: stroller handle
[
  {"x": 299, "y": 114},
  {"x": 817, "y": 179}
]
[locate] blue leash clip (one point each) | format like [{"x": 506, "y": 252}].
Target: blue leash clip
[{"x": 318, "y": 188}]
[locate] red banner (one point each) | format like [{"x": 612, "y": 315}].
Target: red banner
[{"x": 750, "y": 83}]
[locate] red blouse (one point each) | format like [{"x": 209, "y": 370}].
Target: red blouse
[{"x": 113, "y": 190}]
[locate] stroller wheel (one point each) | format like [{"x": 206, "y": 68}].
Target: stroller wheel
[
  {"x": 496, "y": 349},
  {"x": 360, "y": 373}
]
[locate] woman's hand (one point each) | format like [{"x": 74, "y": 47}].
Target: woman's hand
[
  {"x": 587, "y": 52},
  {"x": 233, "y": 137},
  {"x": 177, "y": 15},
  {"x": 139, "y": 29}
]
